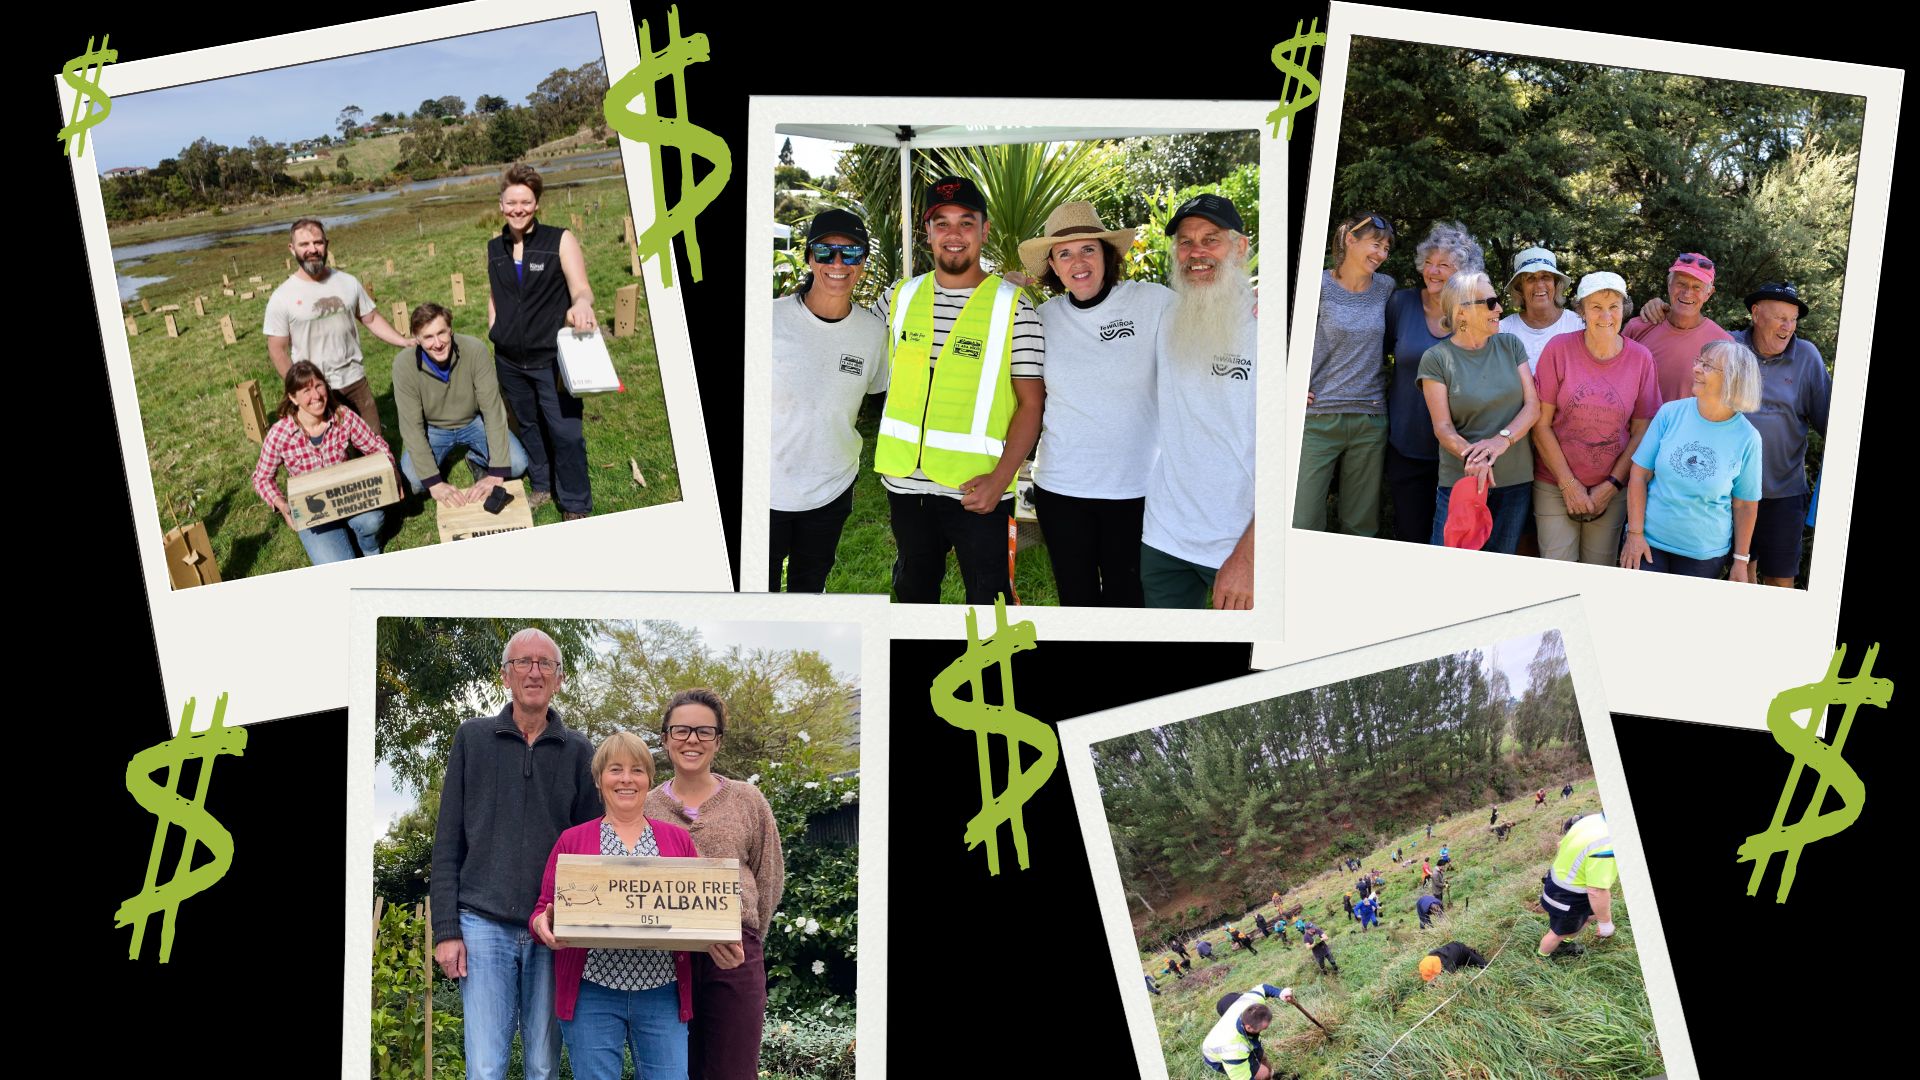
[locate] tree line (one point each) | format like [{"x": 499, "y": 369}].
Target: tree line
[
  {"x": 440, "y": 136},
  {"x": 1263, "y": 796}
]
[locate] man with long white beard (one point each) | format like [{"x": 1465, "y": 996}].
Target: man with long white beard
[{"x": 1198, "y": 533}]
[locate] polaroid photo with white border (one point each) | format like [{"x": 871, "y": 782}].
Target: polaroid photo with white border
[
  {"x": 1079, "y": 738},
  {"x": 209, "y": 637},
  {"x": 949, "y": 122},
  {"x": 1352, "y": 590},
  {"x": 845, "y": 631}
]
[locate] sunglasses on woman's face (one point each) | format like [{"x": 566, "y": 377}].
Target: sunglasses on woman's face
[
  {"x": 1492, "y": 302},
  {"x": 850, "y": 254}
]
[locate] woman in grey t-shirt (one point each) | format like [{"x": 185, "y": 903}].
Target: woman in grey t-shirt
[
  {"x": 1100, "y": 430},
  {"x": 1346, "y": 425}
]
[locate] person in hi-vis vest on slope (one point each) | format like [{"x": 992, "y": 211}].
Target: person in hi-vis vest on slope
[{"x": 963, "y": 410}]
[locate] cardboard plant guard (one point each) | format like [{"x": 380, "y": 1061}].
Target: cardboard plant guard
[
  {"x": 615, "y": 902},
  {"x": 467, "y": 522},
  {"x": 189, "y": 556},
  {"x": 338, "y": 492},
  {"x": 253, "y": 410}
]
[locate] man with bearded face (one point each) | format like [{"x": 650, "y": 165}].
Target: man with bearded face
[
  {"x": 315, "y": 315},
  {"x": 1198, "y": 533},
  {"x": 966, "y": 352}
]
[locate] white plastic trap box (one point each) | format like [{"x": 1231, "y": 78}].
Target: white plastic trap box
[{"x": 585, "y": 366}]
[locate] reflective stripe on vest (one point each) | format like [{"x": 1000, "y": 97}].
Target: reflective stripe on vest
[
  {"x": 1589, "y": 838},
  {"x": 953, "y": 424},
  {"x": 1226, "y": 1044}
]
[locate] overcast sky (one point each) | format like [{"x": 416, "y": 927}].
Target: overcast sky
[
  {"x": 1512, "y": 656},
  {"x": 303, "y": 101},
  {"x": 837, "y": 643}
]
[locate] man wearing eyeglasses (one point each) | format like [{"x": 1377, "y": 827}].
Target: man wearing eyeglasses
[
  {"x": 1676, "y": 332},
  {"x": 828, "y": 355},
  {"x": 514, "y": 782},
  {"x": 967, "y": 353}
]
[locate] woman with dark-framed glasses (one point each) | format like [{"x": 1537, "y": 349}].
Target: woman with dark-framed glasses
[
  {"x": 1481, "y": 397},
  {"x": 728, "y": 819},
  {"x": 828, "y": 356}
]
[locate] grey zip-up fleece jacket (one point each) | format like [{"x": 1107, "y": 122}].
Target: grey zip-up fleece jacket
[{"x": 502, "y": 807}]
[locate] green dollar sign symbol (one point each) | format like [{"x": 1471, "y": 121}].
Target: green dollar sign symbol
[
  {"x": 657, "y": 131},
  {"x": 1309, "y": 88},
  {"x": 91, "y": 63},
  {"x": 1807, "y": 749},
  {"x": 164, "y": 803},
  {"x": 982, "y": 719}
]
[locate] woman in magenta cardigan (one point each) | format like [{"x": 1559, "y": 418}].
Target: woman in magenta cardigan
[{"x": 608, "y": 999}]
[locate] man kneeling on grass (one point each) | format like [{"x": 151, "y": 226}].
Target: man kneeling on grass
[
  {"x": 1578, "y": 886},
  {"x": 1233, "y": 1046},
  {"x": 1449, "y": 957},
  {"x": 448, "y": 397}
]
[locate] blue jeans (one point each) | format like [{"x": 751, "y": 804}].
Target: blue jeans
[
  {"x": 1510, "y": 506},
  {"x": 334, "y": 541},
  {"x": 441, "y": 441},
  {"x": 509, "y": 985},
  {"x": 606, "y": 1021}
]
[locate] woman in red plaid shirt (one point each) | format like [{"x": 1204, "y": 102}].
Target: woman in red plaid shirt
[{"x": 313, "y": 432}]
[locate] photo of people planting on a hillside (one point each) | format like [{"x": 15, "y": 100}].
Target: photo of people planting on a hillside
[{"x": 1404, "y": 873}]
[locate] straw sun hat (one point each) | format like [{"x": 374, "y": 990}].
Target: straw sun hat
[{"x": 1070, "y": 221}]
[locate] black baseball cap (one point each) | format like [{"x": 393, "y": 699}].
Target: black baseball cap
[
  {"x": 954, "y": 191},
  {"x": 841, "y": 222},
  {"x": 1215, "y": 208},
  {"x": 1777, "y": 290}
]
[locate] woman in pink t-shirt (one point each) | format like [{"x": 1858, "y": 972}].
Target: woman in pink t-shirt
[{"x": 1598, "y": 391}]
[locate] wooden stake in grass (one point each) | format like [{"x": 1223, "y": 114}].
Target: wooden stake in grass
[
  {"x": 431, "y": 249},
  {"x": 226, "y": 282},
  {"x": 626, "y": 302},
  {"x": 144, "y": 309},
  {"x": 633, "y": 249},
  {"x": 200, "y": 306},
  {"x": 576, "y": 221},
  {"x": 133, "y": 328},
  {"x": 629, "y": 234},
  {"x": 459, "y": 290},
  {"x": 246, "y": 296},
  {"x": 255, "y": 279},
  {"x": 226, "y": 329},
  {"x": 172, "y": 330},
  {"x": 389, "y": 267},
  {"x": 399, "y": 314},
  {"x": 227, "y": 291}
]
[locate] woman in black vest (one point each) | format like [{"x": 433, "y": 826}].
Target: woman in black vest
[{"x": 537, "y": 284}]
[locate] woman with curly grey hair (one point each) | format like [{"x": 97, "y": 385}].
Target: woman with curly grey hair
[
  {"x": 1414, "y": 325},
  {"x": 1695, "y": 491}
]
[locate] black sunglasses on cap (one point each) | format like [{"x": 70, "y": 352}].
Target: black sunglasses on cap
[
  {"x": 850, "y": 254},
  {"x": 1691, "y": 259}
]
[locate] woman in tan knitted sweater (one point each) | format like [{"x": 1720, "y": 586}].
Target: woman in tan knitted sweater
[{"x": 727, "y": 819}]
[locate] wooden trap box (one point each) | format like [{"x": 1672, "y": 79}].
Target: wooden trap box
[
  {"x": 614, "y": 902},
  {"x": 340, "y": 491},
  {"x": 471, "y": 520}
]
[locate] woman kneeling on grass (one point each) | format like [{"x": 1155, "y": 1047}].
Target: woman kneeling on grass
[{"x": 313, "y": 432}]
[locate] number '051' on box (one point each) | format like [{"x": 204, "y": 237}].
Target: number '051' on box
[{"x": 616, "y": 902}]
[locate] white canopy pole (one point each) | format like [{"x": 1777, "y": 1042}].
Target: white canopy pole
[{"x": 906, "y": 209}]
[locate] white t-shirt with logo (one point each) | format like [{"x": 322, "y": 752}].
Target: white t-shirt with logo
[
  {"x": 1200, "y": 495},
  {"x": 1535, "y": 341},
  {"x": 822, "y": 371},
  {"x": 1100, "y": 433},
  {"x": 321, "y": 321}
]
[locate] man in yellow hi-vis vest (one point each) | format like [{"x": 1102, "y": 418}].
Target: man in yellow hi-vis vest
[
  {"x": 1197, "y": 532},
  {"x": 1578, "y": 887},
  {"x": 966, "y": 352}
]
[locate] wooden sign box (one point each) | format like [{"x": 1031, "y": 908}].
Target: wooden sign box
[
  {"x": 471, "y": 520},
  {"x": 614, "y": 902},
  {"x": 340, "y": 491}
]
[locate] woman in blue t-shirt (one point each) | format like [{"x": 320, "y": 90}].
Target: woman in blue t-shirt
[{"x": 1695, "y": 489}]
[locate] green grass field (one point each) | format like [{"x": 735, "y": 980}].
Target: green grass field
[
  {"x": 1524, "y": 1017},
  {"x": 200, "y": 456}
]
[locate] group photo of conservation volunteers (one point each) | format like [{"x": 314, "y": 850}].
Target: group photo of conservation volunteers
[
  {"x": 1595, "y": 350},
  {"x": 1133, "y": 399}
]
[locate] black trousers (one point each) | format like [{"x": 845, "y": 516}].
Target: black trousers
[
  {"x": 926, "y": 527},
  {"x": 553, "y": 429},
  {"x": 1094, "y": 545},
  {"x": 1413, "y": 484},
  {"x": 805, "y": 540}
]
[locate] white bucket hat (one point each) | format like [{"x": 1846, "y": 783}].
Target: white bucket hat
[
  {"x": 1536, "y": 260},
  {"x": 1600, "y": 281}
]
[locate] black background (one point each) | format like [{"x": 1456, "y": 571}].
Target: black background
[{"x": 1002, "y": 974}]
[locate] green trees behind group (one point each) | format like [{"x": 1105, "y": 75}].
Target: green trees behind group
[
  {"x": 1236, "y": 799},
  {"x": 1613, "y": 169},
  {"x": 440, "y": 136}
]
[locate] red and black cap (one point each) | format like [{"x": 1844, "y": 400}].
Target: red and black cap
[
  {"x": 954, "y": 191},
  {"x": 1215, "y": 208}
]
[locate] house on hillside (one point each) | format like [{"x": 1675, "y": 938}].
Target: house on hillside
[{"x": 124, "y": 171}]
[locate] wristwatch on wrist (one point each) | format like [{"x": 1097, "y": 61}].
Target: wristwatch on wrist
[{"x": 1507, "y": 434}]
